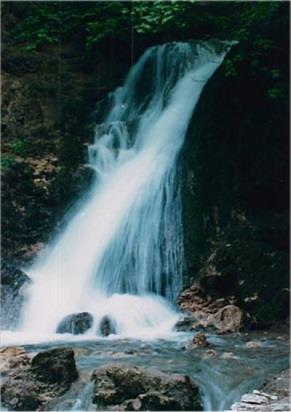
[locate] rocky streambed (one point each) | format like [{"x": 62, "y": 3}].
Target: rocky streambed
[
  {"x": 123, "y": 374},
  {"x": 273, "y": 396}
]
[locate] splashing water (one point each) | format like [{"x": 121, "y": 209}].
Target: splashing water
[{"x": 122, "y": 249}]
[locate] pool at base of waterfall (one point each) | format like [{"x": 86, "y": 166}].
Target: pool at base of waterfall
[
  {"x": 231, "y": 366},
  {"x": 128, "y": 316}
]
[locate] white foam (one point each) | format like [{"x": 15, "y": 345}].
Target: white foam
[{"x": 123, "y": 247}]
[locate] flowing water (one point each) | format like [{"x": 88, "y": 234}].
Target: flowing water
[
  {"x": 223, "y": 376},
  {"x": 120, "y": 253}
]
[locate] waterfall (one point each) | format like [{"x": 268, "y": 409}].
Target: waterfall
[{"x": 121, "y": 252}]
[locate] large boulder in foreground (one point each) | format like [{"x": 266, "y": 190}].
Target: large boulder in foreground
[
  {"x": 119, "y": 387},
  {"x": 56, "y": 366},
  {"x": 33, "y": 385},
  {"x": 76, "y": 323}
]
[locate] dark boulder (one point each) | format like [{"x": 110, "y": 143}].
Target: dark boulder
[
  {"x": 77, "y": 323},
  {"x": 55, "y": 366},
  {"x": 13, "y": 280},
  {"x": 119, "y": 387},
  {"x": 32, "y": 386},
  {"x": 199, "y": 341},
  {"x": 12, "y": 276},
  {"x": 107, "y": 326}
]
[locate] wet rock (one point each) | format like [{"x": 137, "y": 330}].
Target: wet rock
[
  {"x": 55, "y": 366},
  {"x": 186, "y": 324},
  {"x": 199, "y": 341},
  {"x": 130, "y": 352},
  {"x": 47, "y": 376},
  {"x": 107, "y": 326},
  {"x": 192, "y": 298},
  {"x": 77, "y": 323},
  {"x": 274, "y": 397},
  {"x": 12, "y": 358},
  {"x": 120, "y": 387},
  {"x": 252, "y": 402},
  {"x": 210, "y": 315},
  {"x": 203, "y": 311},
  {"x": 12, "y": 276},
  {"x": 210, "y": 353},
  {"x": 278, "y": 385},
  {"x": 228, "y": 319},
  {"x": 253, "y": 344},
  {"x": 12, "y": 351},
  {"x": 267, "y": 395},
  {"x": 229, "y": 355},
  {"x": 254, "y": 398},
  {"x": 13, "y": 281}
]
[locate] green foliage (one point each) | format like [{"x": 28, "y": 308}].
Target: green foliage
[
  {"x": 41, "y": 27},
  {"x": 19, "y": 147},
  {"x": 150, "y": 17},
  {"x": 275, "y": 93},
  {"x": 260, "y": 48},
  {"x": 7, "y": 160},
  {"x": 229, "y": 68},
  {"x": 50, "y": 23},
  {"x": 275, "y": 73}
]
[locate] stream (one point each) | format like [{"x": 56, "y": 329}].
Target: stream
[{"x": 223, "y": 376}]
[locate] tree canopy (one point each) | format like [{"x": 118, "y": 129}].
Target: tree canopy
[{"x": 44, "y": 23}]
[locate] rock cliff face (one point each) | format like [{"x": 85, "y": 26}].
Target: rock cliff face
[{"x": 235, "y": 189}]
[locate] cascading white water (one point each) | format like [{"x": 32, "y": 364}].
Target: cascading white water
[{"x": 122, "y": 249}]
